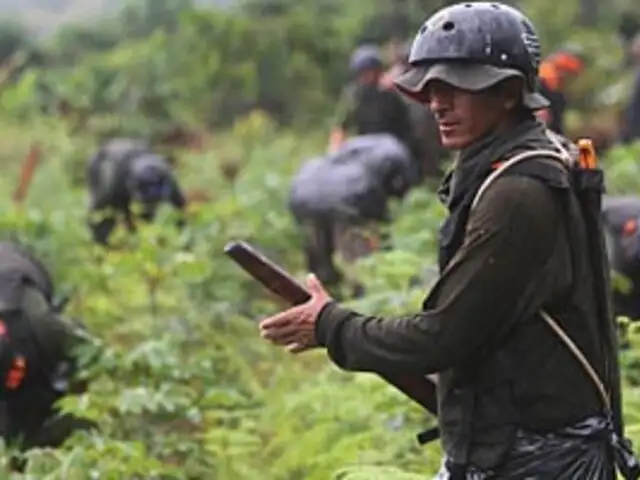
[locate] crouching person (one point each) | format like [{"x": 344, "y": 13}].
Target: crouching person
[
  {"x": 340, "y": 201},
  {"x": 125, "y": 172},
  {"x": 38, "y": 362}
]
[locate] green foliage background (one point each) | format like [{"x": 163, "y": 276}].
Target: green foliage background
[{"x": 186, "y": 389}]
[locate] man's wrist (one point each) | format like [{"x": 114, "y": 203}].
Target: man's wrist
[{"x": 330, "y": 315}]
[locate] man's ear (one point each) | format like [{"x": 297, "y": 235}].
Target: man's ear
[{"x": 512, "y": 89}]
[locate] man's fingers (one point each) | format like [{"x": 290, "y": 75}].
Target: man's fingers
[
  {"x": 280, "y": 331},
  {"x": 281, "y": 337},
  {"x": 297, "y": 348},
  {"x": 282, "y": 318},
  {"x": 283, "y": 341}
]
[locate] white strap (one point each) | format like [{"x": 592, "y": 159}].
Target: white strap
[
  {"x": 579, "y": 356},
  {"x": 565, "y": 157},
  {"x": 511, "y": 162}
]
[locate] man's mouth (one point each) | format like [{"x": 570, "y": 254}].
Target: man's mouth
[{"x": 447, "y": 127}]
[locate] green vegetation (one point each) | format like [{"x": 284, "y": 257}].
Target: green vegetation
[{"x": 186, "y": 389}]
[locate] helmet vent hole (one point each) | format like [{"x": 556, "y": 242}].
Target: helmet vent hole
[
  {"x": 468, "y": 5},
  {"x": 495, "y": 7},
  {"x": 423, "y": 29},
  {"x": 448, "y": 26}
]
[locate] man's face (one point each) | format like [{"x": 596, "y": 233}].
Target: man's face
[{"x": 463, "y": 116}]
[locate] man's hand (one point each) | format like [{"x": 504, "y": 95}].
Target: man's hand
[
  {"x": 295, "y": 328},
  {"x": 336, "y": 139}
]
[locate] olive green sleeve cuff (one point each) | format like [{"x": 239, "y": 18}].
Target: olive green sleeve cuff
[{"x": 329, "y": 317}]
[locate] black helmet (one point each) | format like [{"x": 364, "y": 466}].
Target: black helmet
[
  {"x": 365, "y": 57},
  {"x": 474, "y": 46}
]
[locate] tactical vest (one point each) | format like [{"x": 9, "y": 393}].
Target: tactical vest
[{"x": 480, "y": 409}]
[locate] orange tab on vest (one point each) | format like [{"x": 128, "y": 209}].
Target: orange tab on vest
[
  {"x": 588, "y": 158},
  {"x": 16, "y": 373},
  {"x": 630, "y": 227}
]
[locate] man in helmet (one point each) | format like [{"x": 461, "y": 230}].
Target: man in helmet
[
  {"x": 125, "y": 171},
  {"x": 518, "y": 315},
  {"x": 367, "y": 107},
  {"x": 555, "y": 71}
]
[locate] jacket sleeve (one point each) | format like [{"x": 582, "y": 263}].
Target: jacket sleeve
[{"x": 510, "y": 237}]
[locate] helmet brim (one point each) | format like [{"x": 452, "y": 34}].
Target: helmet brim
[{"x": 469, "y": 77}]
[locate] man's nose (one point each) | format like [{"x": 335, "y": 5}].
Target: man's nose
[{"x": 439, "y": 104}]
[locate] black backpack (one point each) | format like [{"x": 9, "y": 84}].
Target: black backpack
[{"x": 588, "y": 186}]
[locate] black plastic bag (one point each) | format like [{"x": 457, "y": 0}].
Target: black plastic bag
[{"x": 582, "y": 451}]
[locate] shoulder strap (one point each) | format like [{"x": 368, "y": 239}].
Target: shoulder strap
[
  {"x": 510, "y": 163},
  {"x": 577, "y": 353},
  {"x": 566, "y": 158}
]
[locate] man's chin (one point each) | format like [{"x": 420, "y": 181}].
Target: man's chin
[{"x": 453, "y": 142}]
